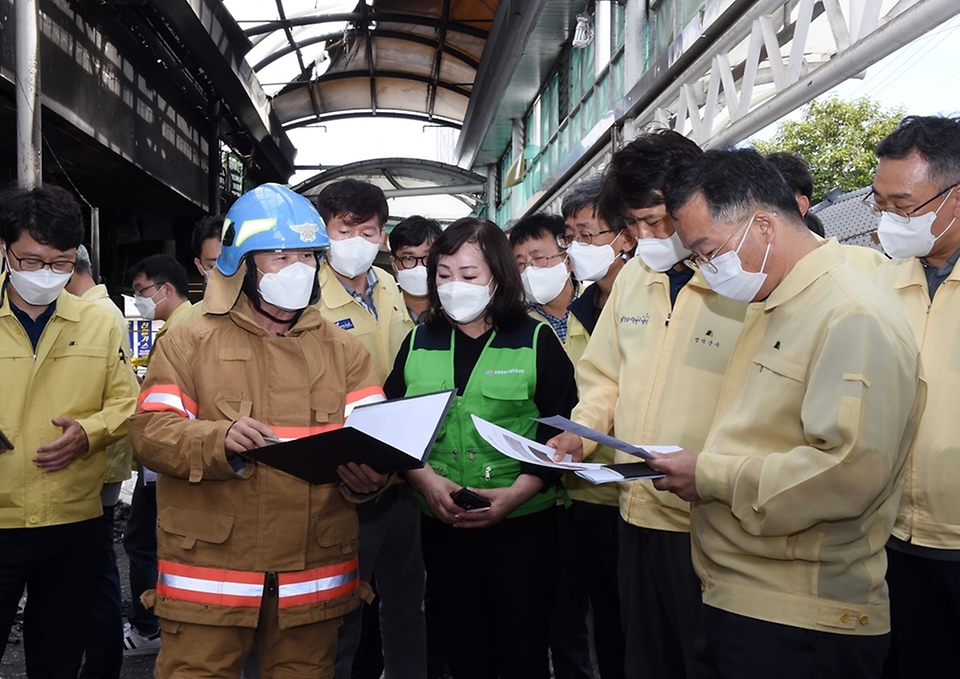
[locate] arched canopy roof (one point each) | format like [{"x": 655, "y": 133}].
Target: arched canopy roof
[
  {"x": 406, "y": 58},
  {"x": 404, "y": 177}
]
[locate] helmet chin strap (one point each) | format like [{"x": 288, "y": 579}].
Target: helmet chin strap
[{"x": 255, "y": 300}]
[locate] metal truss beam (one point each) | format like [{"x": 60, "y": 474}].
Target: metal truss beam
[{"x": 781, "y": 55}]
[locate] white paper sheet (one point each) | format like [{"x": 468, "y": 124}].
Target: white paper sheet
[
  {"x": 407, "y": 424},
  {"x": 564, "y": 424},
  {"x": 525, "y": 450}
]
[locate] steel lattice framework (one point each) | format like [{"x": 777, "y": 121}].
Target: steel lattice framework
[{"x": 780, "y": 55}]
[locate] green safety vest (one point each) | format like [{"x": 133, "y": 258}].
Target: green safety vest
[{"x": 500, "y": 389}]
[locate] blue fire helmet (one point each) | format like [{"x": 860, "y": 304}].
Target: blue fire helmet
[{"x": 270, "y": 217}]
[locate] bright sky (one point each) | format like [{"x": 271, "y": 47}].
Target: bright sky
[{"x": 922, "y": 77}]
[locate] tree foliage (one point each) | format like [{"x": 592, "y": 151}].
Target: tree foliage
[{"x": 837, "y": 138}]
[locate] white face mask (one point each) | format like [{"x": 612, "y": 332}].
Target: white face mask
[
  {"x": 38, "y": 288},
  {"x": 413, "y": 281},
  {"x": 290, "y": 288},
  {"x": 542, "y": 285},
  {"x": 731, "y": 280},
  {"x": 591, "y": 262},
  {"x": 146, "y": 306},
  {"x": 661, "y": 254},
  {"x": 913, "y": 239},
  {"x": 353, "y": 256},
  {"x": 464, "y": 302}
]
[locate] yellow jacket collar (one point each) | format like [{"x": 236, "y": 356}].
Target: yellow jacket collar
[
  {"x": 67, "y": 305},
  {"x": 332, "y": 292},
  {"x": 652, "y": 277},
  {"x": 805, "y": 272},
  {"x": 95, "y": 293},
  {"x": 911, "y": 273}
]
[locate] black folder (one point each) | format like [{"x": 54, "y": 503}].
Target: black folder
[{"x": 389, "y": 436}]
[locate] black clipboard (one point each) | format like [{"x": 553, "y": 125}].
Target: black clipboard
[
  {"x": 631, "y": 471},
  {"x": 385, "y": 435}
]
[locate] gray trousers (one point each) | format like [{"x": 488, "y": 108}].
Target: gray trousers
[{"x": 390, "y": 552}]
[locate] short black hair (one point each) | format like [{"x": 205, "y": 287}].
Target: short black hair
[
  {"x": 581, "y": 195},
  {"x": 794, "y": 170},
  {"x": 162, "y": 269},
  {"x": 353, "y": 201},
  {"x": 536, "y": 226},
  {"x": 815, "y": 224},
  {"x": 413, "y": 231},
  {"x": 733, "y": 182},
  {"x": 48, "y": 213},
  {"x": 507, "y": 309},
  {"x": 206, "y": 228},
  {"x": 637, "y": 175},
  {"x": 936, "y": 139}
]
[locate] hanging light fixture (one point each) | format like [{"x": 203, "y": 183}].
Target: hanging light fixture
[{"x": 583, "y": 35}]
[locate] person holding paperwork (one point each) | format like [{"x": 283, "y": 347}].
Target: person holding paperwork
[
  {"x": 492, "y": 566},
  {"x": 246, "y": 552},
  {"x": 652, "y": 372},
  {"x": 797, "y": 486}
]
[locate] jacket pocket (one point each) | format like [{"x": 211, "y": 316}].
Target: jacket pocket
[
  {"x": 77, "y": 351},
  {"x": 235, "y": 354},
  {"x": 425, "y": 387},
  {"x": 233, "y": 405},
  {"x": 504, "y": 387},
  {"x": 339, "y": 529},
  {"x": 193, "y": 525},
  {"x": 327, "y": 406},
  {"x": 781, "y": 366}
]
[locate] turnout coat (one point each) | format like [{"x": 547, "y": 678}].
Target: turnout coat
[{"x": 229, "y": 529}]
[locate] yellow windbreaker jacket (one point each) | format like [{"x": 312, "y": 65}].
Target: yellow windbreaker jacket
[
  {"x": 930, "y": 507},
  {"x": 382, "y": 336},
  {"x": 802, "y": 471},
  {"x": 119, "y": 453},
  {"x": 654, "y": 375},
  {"x": 79, "y": 370}
]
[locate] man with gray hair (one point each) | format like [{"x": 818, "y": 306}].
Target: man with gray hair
[
  {"x": 592, "y": 233},
  {"x": 103, "y": 655},
  {"x": 915, "y": 192}
]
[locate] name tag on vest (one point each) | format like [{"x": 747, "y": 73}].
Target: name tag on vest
[{"x": 345, "y": 324}]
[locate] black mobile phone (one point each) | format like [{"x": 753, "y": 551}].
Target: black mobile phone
[
  {"x": 469, "y": 500},
  {"x": 5, "y": 443}
]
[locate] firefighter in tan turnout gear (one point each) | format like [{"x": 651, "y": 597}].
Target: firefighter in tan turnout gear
[{"x": 248, "y": 553}]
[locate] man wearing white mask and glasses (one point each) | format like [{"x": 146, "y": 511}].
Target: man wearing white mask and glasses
[
  {"x": 410, "y": 242},
  {"x": 67, "y": 393},
  {"x": 364, "y": 300},
  {"x": 160, "y": 289},
  {"x": 797, "y": 486},
  {"x": 586, "y": 226},
  {"x": 651, "y": 373},
  {"x": 545, "y": 273},
  {"x": 915, "y": 192},
  {"x": 160, "y": 293}
]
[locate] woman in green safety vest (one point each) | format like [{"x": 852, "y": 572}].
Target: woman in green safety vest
[{"x": 490, "y": 550}]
